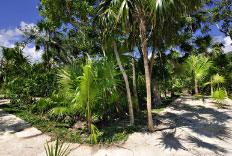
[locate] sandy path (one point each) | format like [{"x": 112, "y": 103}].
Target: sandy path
[
  {"x": 18, "y": 138},
  {"x": 188, "y": 127}
]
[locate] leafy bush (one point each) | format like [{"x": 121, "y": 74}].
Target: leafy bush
[
  {"x": 40, "y": 106},
  {"x": 33, "y": 81}
]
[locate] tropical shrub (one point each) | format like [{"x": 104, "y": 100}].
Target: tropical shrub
[
  {"x": 57, "y": 150},
  {"x": 197, "y": 68},
  {"x": 218, "y": 92},
  {"x": 219, "y": 96}
]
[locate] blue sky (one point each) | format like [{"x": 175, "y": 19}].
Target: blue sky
[
  {"x": 18, "y": 13},
  {"x": 13, "y": 12}
]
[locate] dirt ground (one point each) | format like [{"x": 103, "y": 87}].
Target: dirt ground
[{"x": 187, "y": 127}]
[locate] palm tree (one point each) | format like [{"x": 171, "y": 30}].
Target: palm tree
[
  {"x": 126, "y": 83},
  {"x": 45, "y": 35},
  {"x": 197, "y": 67},
  {"x": 219, "y": 93},
  {"x": 13, "y": 60},
  {"x": 134, "y": 81},
  {"x": 217, "y": 50},
  {"x": 106, "y": 20},
  {"x": 90, "y": 88},
  {"x": 132, "y": 44},
  {"x": 146, "y": 13}
]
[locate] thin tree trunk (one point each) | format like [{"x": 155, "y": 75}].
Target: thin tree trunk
[
  {"x": 89, "y": 123},
  {"x": 103, "y": 50},
  {"x": 164, "y": 78},
  {"x": 152, "y": 61},
  {"x": 196, "y": 87},
  {"x": 154, "y": 86},
  {"x": 172, "y": 91},
  {"x": 134, "y": 82},
  {"x": 130, "y": 106},
  {"x": 143, "y": 37},
  {"x": 211, "y": 87}
]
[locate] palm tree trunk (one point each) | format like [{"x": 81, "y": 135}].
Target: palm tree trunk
[
  {"x": 196, "y": 87},
  {"x": 134, "y": 82},
  {"x": 89, "y": 123},
  {"x": 143, "y": 38},
  {"x": 130, "y": 106}
]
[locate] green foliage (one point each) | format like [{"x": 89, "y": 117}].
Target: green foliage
[
  {"x": 196, "y": 68},
  {"x": 93, "y": 91},
  {"x": 32, "y": 81},
  {"x": 57, "y": 150},
  {"x": 230, "y": 96},
  {"x": 92, "y": 87},
  {"x": 219, "y": 95},
  {"x": 94, "y": 134},
  {"x": 41, "y": 105},
  {"x": 218, "y": 13},
  {"x": 217, "y": 79},
  {"x": 108, "y": 133},
  {"x": 166, "y": 103},
  {"x": 198, "y": 96}
]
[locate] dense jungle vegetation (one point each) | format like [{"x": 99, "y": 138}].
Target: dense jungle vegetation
[{"x": 109, "y": 66}]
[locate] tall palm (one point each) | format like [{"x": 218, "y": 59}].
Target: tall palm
[
  {"x": 45, "y": 35},
  {"x": 146, "y": 13},
  {"x": 132, "y": 44},
  {"x": 106, "y": 21},
  {"x": 217, "y": 50},
  {"x": 126, "y": 82},
  {"x": 13, "y": 60}
]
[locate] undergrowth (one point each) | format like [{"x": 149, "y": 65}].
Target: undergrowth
[{"x": 110, "y": 132}]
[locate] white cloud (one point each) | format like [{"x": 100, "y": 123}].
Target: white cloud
[
  {"x": 228, "y": 46},
  {"x": 24, "y": 25},
  {"x": 32, "y": 54},
  {"x": 219, "y": 39},
  {"x": 9, "y": 36},
  {"x": 226, "y": 41}
]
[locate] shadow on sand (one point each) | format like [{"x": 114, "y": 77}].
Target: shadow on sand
[{"x": 199, "y": 119}]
